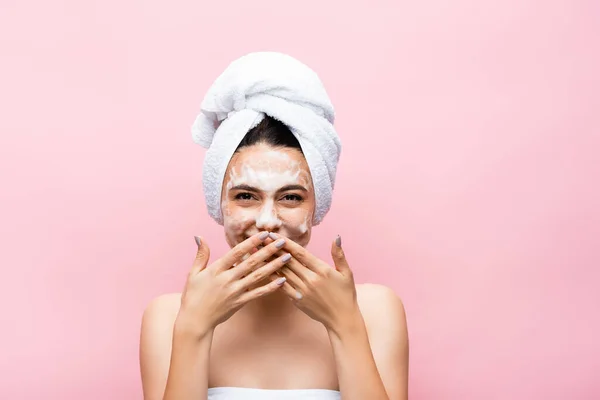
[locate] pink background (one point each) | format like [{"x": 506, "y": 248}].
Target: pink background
[{"x": 476, "y": 199}]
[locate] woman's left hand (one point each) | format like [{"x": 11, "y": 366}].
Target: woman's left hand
[{"x": 326, "y": 294}]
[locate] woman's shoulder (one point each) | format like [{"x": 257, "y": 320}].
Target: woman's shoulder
[
  {"x": 166, "y": 301},
  {"x": 163, "y": 308},
  {"x": 380, "y": 305},
  {"x": 373, "y": 294}
]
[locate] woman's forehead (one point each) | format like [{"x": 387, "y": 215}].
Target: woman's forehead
[{"x": 262, "y": 156}]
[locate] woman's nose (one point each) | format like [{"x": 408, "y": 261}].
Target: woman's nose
[{"x": 267, "y": 219}]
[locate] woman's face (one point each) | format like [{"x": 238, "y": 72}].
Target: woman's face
[{"x": 267, "y": 188}]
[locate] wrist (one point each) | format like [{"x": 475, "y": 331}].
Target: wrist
[
  {"x": 347, "y": 325},
  {"x": 191, "y": 328}
]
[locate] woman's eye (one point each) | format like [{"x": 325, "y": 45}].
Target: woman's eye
[
  {"x": 292, "y": 197},
  {"x": 243, "y": 196}
]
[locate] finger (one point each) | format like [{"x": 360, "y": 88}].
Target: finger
[
  {"x": 300, "y": 271},
  {"x": 202, "y": 256},
  {"x": 302, "y": 255},
  {"x": 268, "y": 241},
  {"x": 291, "y": 277},
  {"x": 339, "y": 258},
  {"x": 291, "y": 291},
  {"x": 263, "y": 272},
  {"x": 238, "y": 252},
  {"x": 261, "y": 291},
  {"x": 248, "y": 265}
]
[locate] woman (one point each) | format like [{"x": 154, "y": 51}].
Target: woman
[{"x": 269, "y": 320}]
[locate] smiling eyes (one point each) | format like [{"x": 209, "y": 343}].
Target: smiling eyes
[
  {"x": 243, "y": 196},
  {"x": 246, "y": 196}
]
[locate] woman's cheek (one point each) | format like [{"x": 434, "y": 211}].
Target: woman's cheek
[
  {"x": 297, "y": 224},
  {"x": 238, "y": 222},
  {"x": 234, "y": 225}
]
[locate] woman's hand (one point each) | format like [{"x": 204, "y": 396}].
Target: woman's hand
[
  {"x": 326, "y": 294},
  {"x": 213, "y": 294}
]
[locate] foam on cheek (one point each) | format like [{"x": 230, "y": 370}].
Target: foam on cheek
[
  {"x": 296, "y": 229},
  {"x": 303, "y": 228},
  {"x": 225, "y": 208},
  {"x": 235, "y": 224}
]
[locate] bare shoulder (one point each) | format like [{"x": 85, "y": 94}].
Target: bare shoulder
[
  {"x": 385, "y": 320},
  {"x": 159, "y": 318},
  {"x": 373, "y": 297},
  {"x": 158, "y": 321},
  {"x": 155, "y": 342},
  {"x": 165, "y": 306},
  {"x": 381, "y": 307}
]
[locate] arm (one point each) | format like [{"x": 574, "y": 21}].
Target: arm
[
  {"x": 177, "y": 330},
  {"x": 366, "y": 327},
  {"x": 173, "y": 356},
  {"x": 374, "y": 348}
]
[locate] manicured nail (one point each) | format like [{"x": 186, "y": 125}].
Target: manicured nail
[
  {"x": 263, "y": 235},
  {"x": 198, "y": 241},
  {"x": 338, "y": 241},
  {"x": 298, "y": 296},
  {"x": 273, "y": 236},
  {"x": 279, "y": 244},
  {"x": 280, "y": 281},
  {"x": 286, "y": 257}
]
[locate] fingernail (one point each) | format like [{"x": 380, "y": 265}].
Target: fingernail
[
  {"x": 338, "y": 241},
  {"x": 280, "y": 281},
  {"x": 298, "y": 296},
  {"x": 198, "y": 241},
  {"x": 286, "y": 257},
  {"x": 279, "y": 244},
  {"x": 263, "y": 235},
  {"x": 273, "y": 236}
]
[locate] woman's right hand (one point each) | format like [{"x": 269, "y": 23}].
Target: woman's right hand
[{"x": 215, "y": 292}]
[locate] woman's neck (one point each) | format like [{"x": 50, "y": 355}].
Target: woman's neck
[{"x": 276, "y": 306}]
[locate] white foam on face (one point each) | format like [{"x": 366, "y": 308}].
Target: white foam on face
[
  {"x": 266, "y": 180},
  {"x": 267, "y": 216},
  {"x": 225, "y": 207},
  {"x": 303, "y": 226},
  {"x": 268, "y": 173},
  {"x": 278, "y": 155}
]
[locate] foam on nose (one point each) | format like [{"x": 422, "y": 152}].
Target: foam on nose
[{"x": 267, "y": 217}]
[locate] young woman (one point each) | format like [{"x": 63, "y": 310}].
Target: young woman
[{"x": 268, "y": 319}]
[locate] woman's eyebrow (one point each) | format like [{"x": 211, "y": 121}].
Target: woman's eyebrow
[
  {"x": 293, "y": 187},
  {"x": 247, "y": 188}
]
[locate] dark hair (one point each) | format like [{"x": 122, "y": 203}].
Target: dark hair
[{"x": 270, "y": 131}]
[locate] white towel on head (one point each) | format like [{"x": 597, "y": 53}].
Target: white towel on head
[{"x": 282, "y": 87}]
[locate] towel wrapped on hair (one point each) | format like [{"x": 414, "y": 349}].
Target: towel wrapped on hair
[{"x": 277, "y": 85}]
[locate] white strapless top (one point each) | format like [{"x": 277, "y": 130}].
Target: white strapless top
[{"x": 235, "y": 393}]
